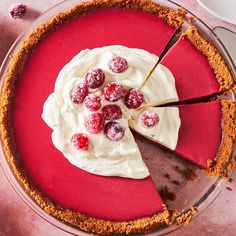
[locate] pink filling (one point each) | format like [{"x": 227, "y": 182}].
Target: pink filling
[
  {"x": 200, "y": 132},
  {"x": 111, "y": 198},
  {"x": 194, "y": 78}
]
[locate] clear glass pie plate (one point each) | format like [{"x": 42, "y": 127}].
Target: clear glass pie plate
[{"x": 167, "y": 170}]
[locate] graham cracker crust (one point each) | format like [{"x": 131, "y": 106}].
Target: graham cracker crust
[
  {"x": 214, "y": 58},
  {"x": 224, "y": 162},
  {"x": 185, "y": 218}
]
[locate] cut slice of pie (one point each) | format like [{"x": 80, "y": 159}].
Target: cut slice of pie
[
  {"x": 195, "y": 65},
  {"x": 201, "y": 135}
]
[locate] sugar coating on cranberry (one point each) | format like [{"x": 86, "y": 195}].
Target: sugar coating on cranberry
[
  {"x": 78, "y": 93},
  {"x": 114, "y": 91},
  {"x": 134, "y": 99},
  {"x": 94, "y": 122},
  {"x": 92, "y": 102},
  {"x": 114, "y": 131},
  {"x": 79, "y": 141},
  {"x": 149, "y": 119},
  {"x": 118, "y": 64},
  {"x": 111, "y": 112},
  {"x": 94, "y": 78},
  {"x": 17, "y": 10}
]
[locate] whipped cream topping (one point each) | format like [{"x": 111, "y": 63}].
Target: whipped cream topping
[
  {"x": 140, "y": 64},
  {"x": 104, "y": 156},
  {"x": 167, "y": 129},
  {"x": 159, "y": 88}
]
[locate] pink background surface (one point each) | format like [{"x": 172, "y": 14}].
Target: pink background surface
[{"x": 16, "y": 218}]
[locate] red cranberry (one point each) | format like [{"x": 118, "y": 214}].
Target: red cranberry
[
  {"x": 92, "y": 102},
  {"x": 79, "y": 141},
  {"x": 114, "y": 91},
  {"x": 78, "y": 93},
  {"x": 94, "y": 123},
  {"x": 94, "y": 78},
  {"x": 149, "y": 119},
  {"x": 17, "y": 10},
  {"x": 134, "y": 99},
  {"x": 114, "y": 131},
  {"x": 111, "y": 112},
  {"x": 118, "y": 64}
]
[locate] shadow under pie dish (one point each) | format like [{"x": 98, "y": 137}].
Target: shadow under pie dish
[{"x": 62, "y": 189}]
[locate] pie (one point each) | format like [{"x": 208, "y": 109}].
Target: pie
[{"x": 78, "y": 194}]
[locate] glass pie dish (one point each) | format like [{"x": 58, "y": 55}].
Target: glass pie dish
[{"x": 166, "y": 168}]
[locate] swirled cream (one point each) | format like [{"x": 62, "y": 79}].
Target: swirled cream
[
  {"x": 104, "y": 156},
  {"x": 160, "y": 87}
]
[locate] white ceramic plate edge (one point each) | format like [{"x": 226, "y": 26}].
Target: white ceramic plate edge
[{"x": 206, "y": 7}]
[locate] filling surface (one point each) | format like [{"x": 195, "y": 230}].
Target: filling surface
[
  {"x": 200, "y": 132},
  {"x": 194, "y": 77},
  {"x": 39, "y": 157}
]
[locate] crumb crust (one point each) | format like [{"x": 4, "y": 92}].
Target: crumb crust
[{"x": 224, "y": 163}]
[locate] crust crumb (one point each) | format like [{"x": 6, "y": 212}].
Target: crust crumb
[
  {"x": 229, "y": 189},
  {"x": 166, "y": 194},
  {"x": 189, "y": 174},
  {"x": 191, "y": 20},
  {"x": 187, "y": 217},
  {"x": 230, "y": 180}
]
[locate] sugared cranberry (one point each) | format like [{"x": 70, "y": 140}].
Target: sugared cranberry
[
  {"x": 78, "y": 93},
  {"x": 92, "y": 102},
  {"x": 111, "y": 112},
  {"x": 79, "y": 141},
  {"x": 17, "y": 10},
  {"x": 114, "y": 91},
  {"x": 118, "y": 64},
  {"x": 134, "y": 99},
  {"x": 114, "y": 131},
  {"x": 94, "y": 78},
  {"x": 94, "y": 122},
  {"x": 149, "y": 119}
]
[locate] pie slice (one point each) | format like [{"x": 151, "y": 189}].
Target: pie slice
[
  {"x": 197, "y": 132},
  {"x": 195, "y": 65}
]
